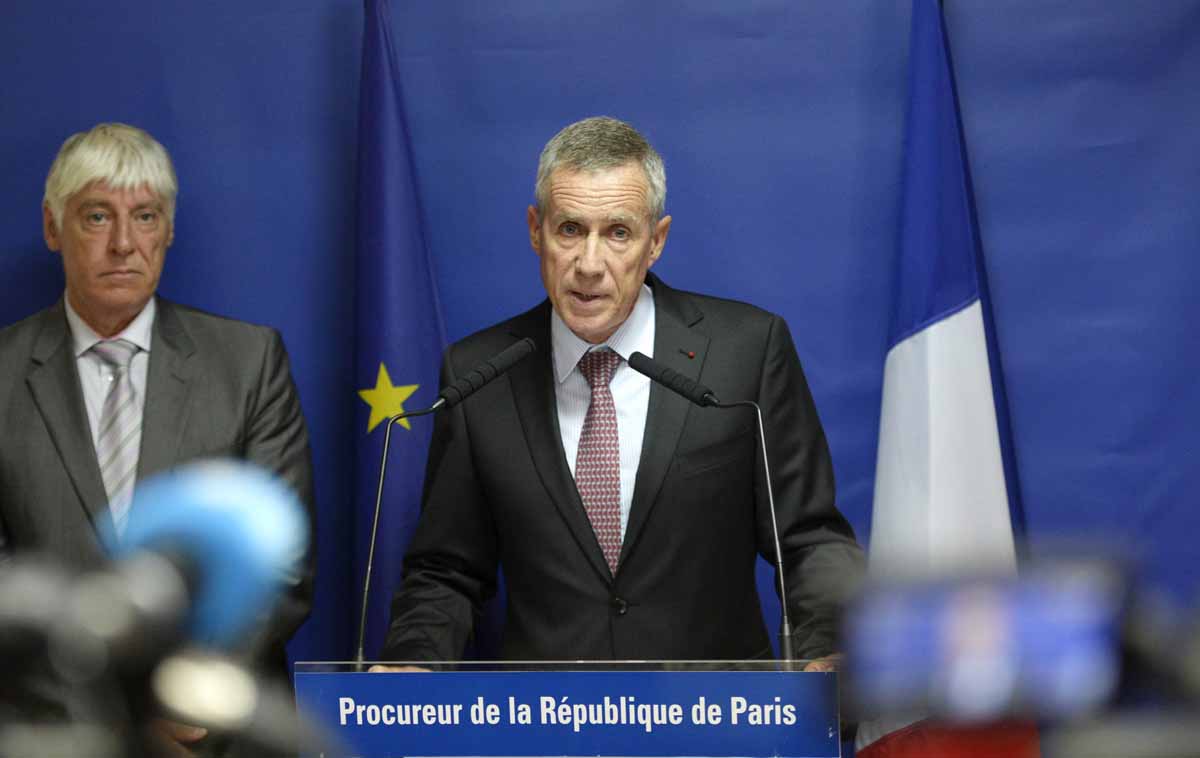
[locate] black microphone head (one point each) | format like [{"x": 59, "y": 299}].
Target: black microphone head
[
  {"x": 476, "y": 378},
  {"x": 513, "y": 354},
  {"x": 644, "y": 364},
  {"x": 672, "y": 380}
]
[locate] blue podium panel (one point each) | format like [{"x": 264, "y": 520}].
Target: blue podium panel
[{"x": 470, "y": 712}]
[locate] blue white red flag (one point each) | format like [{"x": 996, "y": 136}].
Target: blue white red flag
[{"x": 942, "y": 504}]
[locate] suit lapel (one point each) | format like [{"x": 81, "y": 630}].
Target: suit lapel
[
  {"x": 667, "y": 411},
  {"x": 54, "y": 382},
  {"x": 532, "y": 383},
  {"x": 168, "y": 383}
]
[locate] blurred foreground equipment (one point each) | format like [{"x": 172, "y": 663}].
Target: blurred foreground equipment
[
  {"x": 1103, "y": 669},
  {"x": 205, "y": 552}
]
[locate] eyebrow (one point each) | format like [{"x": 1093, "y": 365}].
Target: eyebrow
[
  {"x": 622, "y": 218},
  {"x": 96, "y": 203},
  {"x": 89, "y": 203},
  {"x": 563, "y": 217}
]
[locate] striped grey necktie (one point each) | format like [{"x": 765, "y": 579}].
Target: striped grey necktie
[{"x": 120, "y": 435}]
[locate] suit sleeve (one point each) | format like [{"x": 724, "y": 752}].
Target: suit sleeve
[
  {"x": 450, "y": 567},
  {"x": 277, "y": 439},
  {"x": 822, "y": 560}
]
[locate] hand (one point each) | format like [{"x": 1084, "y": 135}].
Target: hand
[
  {"x": 828, "y": 663},
  {"x": 168, "y": 738},
  {"x": 380, "y": 668}
]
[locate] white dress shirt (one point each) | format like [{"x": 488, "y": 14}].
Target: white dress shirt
[
  {"x": 630, "y": 390},
  {"x": 95, "y": 376}
]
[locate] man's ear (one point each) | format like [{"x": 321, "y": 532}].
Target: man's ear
[
  {"x": 658, "y": 238},
  {"x": 50, "y": 229},
  {"x": 535, "y": 229}
]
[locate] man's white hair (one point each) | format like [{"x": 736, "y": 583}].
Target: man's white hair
[
  {"x": 599, "y": 143},
  {"x": 121, "y": 156}
]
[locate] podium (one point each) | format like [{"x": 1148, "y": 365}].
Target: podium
[{"x": 624, "y": 708}]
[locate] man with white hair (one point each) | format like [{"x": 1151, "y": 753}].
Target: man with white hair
[{"x": 112, "y": 384}]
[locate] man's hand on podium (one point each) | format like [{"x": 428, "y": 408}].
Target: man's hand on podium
[
  {"x": 828, "y": 663},
  {"x": 380, "y": 668}
]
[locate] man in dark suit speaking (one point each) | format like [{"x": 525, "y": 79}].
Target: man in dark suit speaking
[
  {"x": 112, "y": 384},
  {"x": 627, "y": 521}
]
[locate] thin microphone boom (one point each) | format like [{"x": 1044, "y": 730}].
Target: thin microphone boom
[
  {"x": 359, "y": 656},
  {"x": 785, "y": 624},
  {"x": 703, "y": 396},
  {"x": 450, "y": 396}
]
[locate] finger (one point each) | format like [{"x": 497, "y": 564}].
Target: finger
[
  {"x": 180, "y": 732},
  {"x": 159, "y": 744}
]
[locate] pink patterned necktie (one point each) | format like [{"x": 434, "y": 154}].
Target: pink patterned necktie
[{"x": 598, "y": 462}]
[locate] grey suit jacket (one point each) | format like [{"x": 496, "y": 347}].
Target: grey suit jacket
[{"x": 215, "y": 387}]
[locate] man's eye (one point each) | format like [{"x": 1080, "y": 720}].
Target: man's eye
[
  {"x": 96, "y": 217},
  {"x": 147, "y": 217},
  {"x": 569, "y": 229},
  {"x": 620, "y": 233}
]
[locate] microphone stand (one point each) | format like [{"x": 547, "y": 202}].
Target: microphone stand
[
  {"x": 697, "y": 393},
  {"x": 359, "y": 656},
  {"x": 786, "y": 653},
  {"x": 460, "y": 390}
]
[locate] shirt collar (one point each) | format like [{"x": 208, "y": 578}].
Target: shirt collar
[
  {"x": 634, "y": 336},
  {"x": 84, "y": 337}
]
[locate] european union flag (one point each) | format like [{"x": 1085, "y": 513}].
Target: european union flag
[{"x": 400, "y": 333}]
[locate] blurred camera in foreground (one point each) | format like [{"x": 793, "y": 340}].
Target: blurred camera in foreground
[{"x": 977, "y": 649}]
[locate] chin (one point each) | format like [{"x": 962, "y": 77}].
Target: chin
[
  {"x": 594, "y": 336},
  {"x": 125, "y": 304}
]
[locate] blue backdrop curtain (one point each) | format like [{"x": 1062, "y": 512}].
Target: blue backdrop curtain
[{"x": 781, "y": 124}]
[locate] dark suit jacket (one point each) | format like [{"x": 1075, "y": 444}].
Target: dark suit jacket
[
  {"x": 215, "y": 387},
  {"x": 498, "y": 491}
]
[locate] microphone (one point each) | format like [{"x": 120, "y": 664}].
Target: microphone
[
  {"x": 235, "y": 535},
  {"x": 673, "y": 380},
  {"x": 697, "y": 393},
  {"x": 450, "y": 396},
  {"x": 204, "y": 552},
  {"x": 475, "y": 379},
  {"x": 196, "y": 687}
]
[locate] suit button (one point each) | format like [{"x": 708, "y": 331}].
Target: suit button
[{"x": 619, "y": 606}]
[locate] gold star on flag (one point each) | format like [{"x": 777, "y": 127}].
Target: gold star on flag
[{"x": 386, "y": 400}]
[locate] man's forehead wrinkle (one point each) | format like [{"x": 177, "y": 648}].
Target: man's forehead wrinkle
[
  {"x": 622, "y": 202},
  {"x": 594, "y": 198},
  {"x": 611, "y": 190}
]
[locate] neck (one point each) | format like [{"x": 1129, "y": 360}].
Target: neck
[{"x": 107, "y": 325}]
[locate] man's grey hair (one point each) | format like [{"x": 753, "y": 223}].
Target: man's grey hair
[
  {"x": 121, "y": 156},
  {"x": 599, "y": 143}
]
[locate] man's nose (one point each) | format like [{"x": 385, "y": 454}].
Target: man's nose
[
  {"x": 590, "y": 261},
  {"x": 121, "y": 241}
]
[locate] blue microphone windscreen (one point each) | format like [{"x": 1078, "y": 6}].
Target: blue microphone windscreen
[{"x": 242, "y": 531}]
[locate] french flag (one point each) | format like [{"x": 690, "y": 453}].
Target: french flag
[{"x": 943, "y": 504}]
